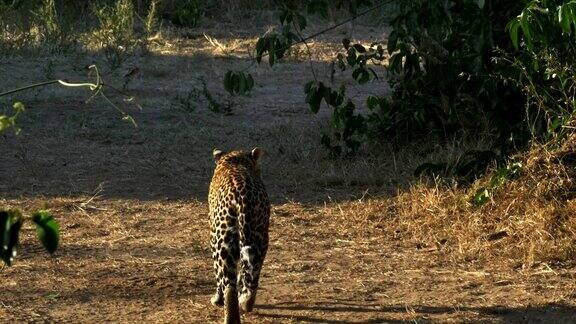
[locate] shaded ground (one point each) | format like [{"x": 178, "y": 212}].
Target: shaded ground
[{"x": 131, "y": 204}]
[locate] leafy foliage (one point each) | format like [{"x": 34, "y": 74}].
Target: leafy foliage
[
  {"x": 450, "y": 71},
  {"x": 7, "y": 122},
  {"x": 503, "y": 174},
  {"x": 238, "y": 82},
  {"x": 11, "y": 222},
  {"x": 464, "y": 169},
  {"x": 349, "y": 128},
  {"x": 48, "y": 21},
  {"x": 47, "y": 230},
  {"x": 187, "y": 13},
  {"x": 545, "y": 61},
  {"x": 116, "y": 33},
  {"x": 357, "y": 57},
  {"x": 275, "y": 44},
  {"x": 441, "y": 68}
]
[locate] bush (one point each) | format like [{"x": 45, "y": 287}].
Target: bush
[
  {"x": 441, "y": 68},
  {"x": 454, "y": 68},
  {"x": 546, "y": 65},
  {"x": 442, "y": 73},
  {"x": 187, "y": 13},
  {"x": 116, "y": 32}
]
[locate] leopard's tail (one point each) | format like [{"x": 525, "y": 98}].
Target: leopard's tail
[
  {"x": 232, "y": 312},
  {"x": 232, "y": 315}
]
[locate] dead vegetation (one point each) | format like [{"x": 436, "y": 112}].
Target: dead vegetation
[{"x": 527, "y": 221}]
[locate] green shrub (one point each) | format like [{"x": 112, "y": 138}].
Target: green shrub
[
  {"x": 47, "y": 230},
  {"x": 453, "y": 68},
  {"x": 544, "y": 34},
  {"x": 47, "y": 20},
  {"x": 116, "y": 32},
  {"x": 186, "y": 13},
  {"x": 151, "y": 23},
  {"x": 442, "y": 72}
]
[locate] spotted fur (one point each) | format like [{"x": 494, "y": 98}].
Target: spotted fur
[{"x": 239, "y": 217}]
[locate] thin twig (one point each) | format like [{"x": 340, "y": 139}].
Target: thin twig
[
  {"x": 28, "y": 87},
  {"x": 309, "y": 52},
  {"x": 96, "y": 89}
]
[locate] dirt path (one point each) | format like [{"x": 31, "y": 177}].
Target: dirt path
[
  {"x": 131, "y": 203},
  {"x": 150, "y": 262}
]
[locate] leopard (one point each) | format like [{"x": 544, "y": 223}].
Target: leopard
[{"x": 239, "y": 212}]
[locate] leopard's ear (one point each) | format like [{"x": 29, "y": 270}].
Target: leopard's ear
[
  {"x": 256, "y": 154},
  {"x": 217, "y": 154}
]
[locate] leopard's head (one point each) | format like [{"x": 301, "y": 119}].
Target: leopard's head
[{"x": 245, "y": 159}]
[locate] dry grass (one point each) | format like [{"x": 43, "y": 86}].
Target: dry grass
[
  {"x": 528, "y": 220},
  {"x": 353, "y": 240}
]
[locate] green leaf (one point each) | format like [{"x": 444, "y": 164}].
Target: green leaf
[
  {"x": 228, "y": 86},
  {"x": 359, "y": 48},
  {"x": 10, "y": 121},
  {"x": 314, "y": 93},
  {"x": 10, "y": 225},
  {"x": 249, "y": 81},
  {"x": 238, "y": 82},
  {"x": 361, "y": 75},
  {"x": 513, "y": 27},
  {"x": 283, "y": 16},
  {"x": 4, "y": 123},
  {"x": 352, "y": 57},
  {"x": 333, "y": 98},
  {"x": 392, "y": 41},
  {"x": 526, "y": 29},
  {"x": 395, "y": 63},
  {"x": 566, "y": 16},
  {"x": 47, "y": 230},
  {"x": 302, "y": 23},
  {"x": 346, "y": 43},
  {"x": 505, "y": 173},
  {"x": 372, "y": 102},
  {"x": 261, "y": 47},
  {"x": 273, "y": 51},
  {"x": 562, "y": 20},
  {"x": 555, "y": 124},
  {"x": 242, "y": 84},
  {"x": 481, "y": 197},
  {"x": 235, "y": 83},
  {"x": 19, "y": 107}
]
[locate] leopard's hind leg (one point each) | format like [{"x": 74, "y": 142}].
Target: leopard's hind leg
[
  {"x": 253, "y": 248},
  {"x": 225, "y": 254}
]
